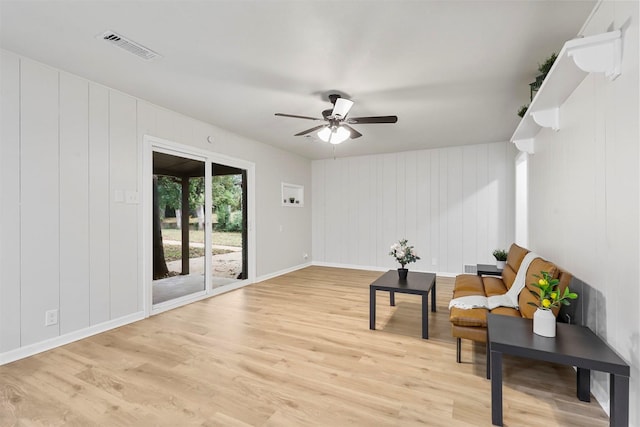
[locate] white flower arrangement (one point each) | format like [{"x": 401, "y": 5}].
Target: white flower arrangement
[{"x": 403, "y": 253}]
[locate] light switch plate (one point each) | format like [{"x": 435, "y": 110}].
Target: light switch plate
[{"x": 131, "y": 197}]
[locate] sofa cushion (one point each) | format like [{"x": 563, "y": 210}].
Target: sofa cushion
[
  {"x": 506, "y": 311},
  {"x": 536, "y": 266},
  {"x": 493, "y": 286},
  {"x": 515, "y": 256},
  {"x": 469, "y": 332},
  {"x": 477, "y": 317},
  {"x": 468, "y": 284},
  {"x": 468, "y": 317},
  {"x": 508, "y": 276}
]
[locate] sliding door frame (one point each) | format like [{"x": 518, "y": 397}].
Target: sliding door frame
[{"x": 153, "y": 144}]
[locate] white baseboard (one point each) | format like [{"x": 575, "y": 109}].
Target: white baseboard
[
  {"x": 281, "y": 272},
  {"x": 30, "y": 350},
  {"x": 350, "y": 266},
  {"x": 376, "y": 268}
]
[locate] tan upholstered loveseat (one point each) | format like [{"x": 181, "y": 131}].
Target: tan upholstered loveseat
[{"x": 472, "y": 323}]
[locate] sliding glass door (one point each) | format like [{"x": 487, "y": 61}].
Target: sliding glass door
[
  {"x": 199, "y": 216},
  {"x": 229, "y": 196},
  {"x": 179, "y": 232}
]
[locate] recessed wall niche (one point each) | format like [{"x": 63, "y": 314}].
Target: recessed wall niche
[{"x": 292, "y": 195}]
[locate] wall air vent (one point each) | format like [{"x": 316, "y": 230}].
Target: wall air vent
[
  {"x": 128, "y": 45},
  {"x": 470, "y": 269}
]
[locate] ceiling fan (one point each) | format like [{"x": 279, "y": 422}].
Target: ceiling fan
[{"x": 337, "y": 129}]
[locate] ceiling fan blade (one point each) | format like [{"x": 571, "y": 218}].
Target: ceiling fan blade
[
  {"x": 354, "y": 133},
  {"x": 304, "y": 132},
  {"x": 342, "y": 107},
  {"x": 378, "y": 119},
  {"x": 295, "y": 116}
]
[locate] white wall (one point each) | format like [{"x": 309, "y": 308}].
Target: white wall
[
  {"x": 67, "y": 145},
  {"x": 584, "y": 196},
  {"x": 455, "y": 205},
  {"x": 521, "y": 200}
]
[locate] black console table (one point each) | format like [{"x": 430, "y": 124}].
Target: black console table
[
  {"x": 488, "y": 270},
  {"x": 573, "y": 345}
]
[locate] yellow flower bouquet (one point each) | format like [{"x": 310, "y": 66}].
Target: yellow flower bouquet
[{"x": 549, "y": 293}]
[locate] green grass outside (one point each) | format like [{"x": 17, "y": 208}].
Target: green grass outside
[
  {"x": 174, "y": 252},
  {"x": 197, "y": 236}
]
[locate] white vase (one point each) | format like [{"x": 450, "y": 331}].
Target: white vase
[
  {"x": 500, "y": 265},
  {"x": 544, "y": 323}
]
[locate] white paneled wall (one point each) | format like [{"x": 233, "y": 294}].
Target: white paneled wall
[
  {"x": 74, "y": 203},
  {"x": 66, "y": 245},
  {"x": 70, "y": 236},
  {"x": 10, "y": 203},
  {"x": 584, "y": 203},
  {"x": 39, "y": 201},
  {"x": 99, "y": 202},
  {"x": 123, "y": 232},
  {"x": 455, "y": 206}
]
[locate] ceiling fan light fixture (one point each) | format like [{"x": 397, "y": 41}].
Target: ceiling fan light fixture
[
  {"x": 335, "y": 135},
  {"x": 342, "y": 107},
  {"x": 340, "y": 135},
  {"x": 336, "y": 128},
  {"x": 324, "y": 134}
]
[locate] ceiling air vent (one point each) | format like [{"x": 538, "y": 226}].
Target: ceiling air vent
[{"x": 128, "y": 45}]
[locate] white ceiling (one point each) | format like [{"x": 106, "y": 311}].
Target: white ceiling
[{"x": 454, "y": 72}]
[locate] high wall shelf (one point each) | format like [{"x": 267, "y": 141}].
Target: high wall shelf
[
  {"x": 292, "y": 195},
  {"x": 601, "y": 53}
]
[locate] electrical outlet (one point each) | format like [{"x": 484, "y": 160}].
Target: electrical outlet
[
  {"x": 434, "y": 261},
  {"x": 50, "y": 317}
]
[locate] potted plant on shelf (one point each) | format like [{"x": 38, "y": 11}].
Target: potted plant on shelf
[
  {"x": 404, "y": 254},
  {"x": 549, "y": 297},
  {"x": 523, "y": 110},
  {"x": 292, "y": 200},
  {"x": 501, "y": 258},
  {"x": 544, "y": 70},
  {"x": 545, "y": 67}
]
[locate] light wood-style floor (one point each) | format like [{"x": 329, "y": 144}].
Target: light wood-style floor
[{"x": 292, "y": 351}]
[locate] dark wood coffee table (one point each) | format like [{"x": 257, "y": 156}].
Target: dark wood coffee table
[
  {"x": 573, "y": 345},
  {"x": 415, "y": 283}
]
